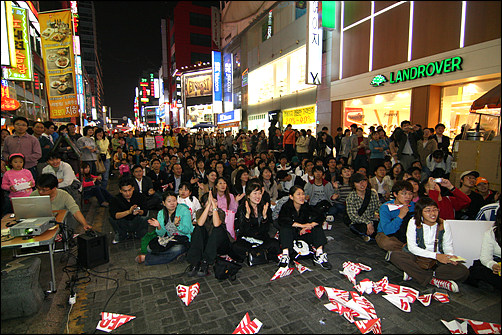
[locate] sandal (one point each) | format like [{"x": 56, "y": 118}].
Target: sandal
[{"x": 140, "y": 259}]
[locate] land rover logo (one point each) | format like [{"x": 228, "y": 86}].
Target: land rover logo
[{"x": 378, "y": 80}]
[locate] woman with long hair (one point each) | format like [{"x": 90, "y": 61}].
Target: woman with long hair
[
  {"x": 396, "y": 173},
  {"x": 208, "y": 183},
  {"x": 428, "y": 256},
  {"x": 269, "y": 184},
  {"x": 92, "y": 188},
  {"x": 241, "y": 179},
  {"x": 227, "y": 202},
  {"x": 252, "y": 221}
]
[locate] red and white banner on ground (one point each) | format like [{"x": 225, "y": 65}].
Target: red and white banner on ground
[
  {"x": 481, "y": 327},
  {"x": 441, "y": 297},
  {"x": 187, "y": 293},
  {"x": 111, "y": 321},
  {"x": 400, "y": 301},
  {"x": 366, "y": 326},
  {"x": 425, "y": 299},
  {"x": 351, "y": 270},
  {"x": 301, "y": 268},
  {"x": 282, "y": 272},
  {"x": 246, "y": 326}
]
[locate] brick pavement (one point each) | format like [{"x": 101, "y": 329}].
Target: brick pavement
[{"x": 286, "y": 305}]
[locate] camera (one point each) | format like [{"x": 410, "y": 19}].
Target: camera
[{"x": 438, "y": 180}]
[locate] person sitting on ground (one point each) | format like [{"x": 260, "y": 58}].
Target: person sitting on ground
[
  {"x": 18, "y": 180},
  {"x": 283, "y": 164},
  {"x": 416, "y": 186},
  {"x": 286, "y": 181},
  {"x": 171, "y": 238},
  {"x": 239, "y": 187},
  {"x": 118, "y": 157},
  {"x": 487, "y": 267},
  {"x": 252, "y": 225},
  {"x": 428, "y": 254},
  {"x": 159, "y": 178},
  {"x": 208, "y": 183},
  {"x": 297, "y": 221},
  {"x": 467, "y": 185},
  {"x": 362, "y": 208},
  {"x": 126, "y": 212},
  {"x": 448, "y": 205},
  {"x": 381, "y": 183},
  {"x": 483, "y": 188},
  {"x": 144, "y": 185},
  {"x": 227, "y": 202},
  {"x": 60, "y": 199},
  {"x": 320, "y": 193},
  {"x": 394, "y": 216},
  {"x": 342, "y": 189},
  {"x": 185, "y": 197},
  {"x": 396, "y": 173},
  {"x": 439, "y": 164},
  {"x": 91, "y": 189},
  {"x": 209, "y": 237},
  {"x": 269, "y": 184},
  {"x": 124, "y": 169},
  {"x": 64, "y": 173},
  {"x": 308, "y": 173}
]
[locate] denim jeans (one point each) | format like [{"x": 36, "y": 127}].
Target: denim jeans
[
  {"x": 336, "y": 209},
  {"x": 106, "y": 175},
  {"x": 97, "y": 191},
  {"x": 164, "y": 257}
]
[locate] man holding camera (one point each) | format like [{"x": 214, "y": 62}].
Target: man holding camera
[{"x": 126, "y": 212}]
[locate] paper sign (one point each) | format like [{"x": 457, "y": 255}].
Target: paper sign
[
  {"x": 400, "y": 301},
  {"x": 364, "y": 286},
  {"x": 456, "y": 327},
  {"x": 380, "y": 285},
  {"x": 458, "y": 259},
  {"x": 246, "y": 326},
  {"x": 335, "y": 294},
  {"x": 365, "y": 304},
  {"x": 366, "y": 326},
  {"x": 481, "y": 327},
  {"x": 351, "y": 270},
  {"x": 319, "y": 291},
  {"x": 301, "y": 268},
  {"x": 282, "y": 272},
  {"x": 441, "y": 297},
  {"x": 111, "y": 321},
  {"x": 393, "y": 207},
  {"x": 187, "y": 293},
  {"x": 425, "y": 299}
]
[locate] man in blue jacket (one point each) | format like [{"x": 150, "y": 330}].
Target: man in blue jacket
[{"x": 394, "y": 217}]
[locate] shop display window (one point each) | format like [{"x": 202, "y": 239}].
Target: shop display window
[
  {"x": 387, "y": 110},
  {"x": 456, "y": 104}
]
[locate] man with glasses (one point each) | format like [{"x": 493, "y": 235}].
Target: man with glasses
[{"x": 22, "y": 142}]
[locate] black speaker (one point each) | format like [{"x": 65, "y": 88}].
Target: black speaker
[{"x": 92, "y": 249}]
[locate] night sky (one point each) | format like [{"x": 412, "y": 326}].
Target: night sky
[{"x": 128, "y": 42}]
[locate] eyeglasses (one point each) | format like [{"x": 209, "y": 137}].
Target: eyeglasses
[{"x": 431, "y": 210}]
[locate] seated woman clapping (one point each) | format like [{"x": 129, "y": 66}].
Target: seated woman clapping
[
  {"x": 171, "y": 238},
  {"x": 298, "y": 221},
  {"x": 252, "y": 225},
  {"x": 209, "y": 237},
  {"x": 428, "y": 255}
]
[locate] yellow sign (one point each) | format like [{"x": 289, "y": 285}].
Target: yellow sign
[
  {"x": 22, "y": 68},
  {"x": 196, "y": 86},
  {"x": 58, "y": 55},
  {"x": 305, "y": 115}
]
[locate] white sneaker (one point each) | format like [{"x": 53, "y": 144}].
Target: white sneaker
[
  {"x": 322, "y": 260},
  {"x": 406, "y": 276},
  {"x": 330, "y": 218},
  {"x": 283, "y": 261},
  {"x": 449, "y": 285}
]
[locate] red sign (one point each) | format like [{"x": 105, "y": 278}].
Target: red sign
[
  {"x": 9, "y": 104},
  {"x": 353, "y": 115}
]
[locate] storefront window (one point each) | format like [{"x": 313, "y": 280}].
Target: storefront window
[
  {"x": 456, "y": 104},
  {"x": 259, "y": 122},
  {"x": 200, "y": 114},
  {"x": 387, "y": 110}
]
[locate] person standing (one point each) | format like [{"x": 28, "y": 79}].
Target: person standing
[
  {"x": 302, "y": 145},
  {"x": 426, "y": 146},
  {"x": 377, "y": 148},
  {"x": 22, "y": 142},
  {"x": 359, "y": 145},
  {"x": 104, "y": 151},
  {"x": 312, "y": 144},
  {"x": 443, "y": 141},
  {"x": 338, "y": 141},
  {"x": 87, "y": 146},
  {"x": 45, "y": 144},
  {"x": 406, "y": 138},
  {"x": 131, "y": 140},
  {"x": 289, "y": 141}
]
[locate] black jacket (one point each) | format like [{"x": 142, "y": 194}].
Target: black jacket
[
  {"x": 443, "y": 145},
  {"x": 120, "y": 204},
  {"x": 288, "y": 215},
  {"x": 158, "y": 180},
  {"x": 146, "y": 184},
  {"x": 255, "y": 227},
  {"x": 400, "y": 138}
]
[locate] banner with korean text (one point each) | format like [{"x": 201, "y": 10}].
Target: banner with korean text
[
  {"x": 58, "y": 55},
  {"x": 22, "y": 69}
]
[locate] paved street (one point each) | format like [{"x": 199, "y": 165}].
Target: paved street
[{"x": 286, "y": 305}]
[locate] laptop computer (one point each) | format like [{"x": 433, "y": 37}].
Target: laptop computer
[{"x": 35, "y": 213}]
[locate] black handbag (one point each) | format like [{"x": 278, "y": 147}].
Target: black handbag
[
  {"x": 224, "y": 269},
  {"x": 257, "y": 256}
]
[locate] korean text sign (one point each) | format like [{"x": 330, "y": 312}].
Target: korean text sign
[
  {"x": 22, "y": 69},
  {"x": 58, "y": 55}
]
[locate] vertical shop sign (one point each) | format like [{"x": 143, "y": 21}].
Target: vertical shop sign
[
  {"x": 216, "y": 59},
  {"x": 314, "y": 44},
  {"x": 22, "y": 69},
  {"x": 8, "y": 51},
  {"x": 58, "y": 55},
  {"x": 228, "y": 77}
]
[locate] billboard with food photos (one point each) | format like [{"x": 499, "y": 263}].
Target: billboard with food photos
[
  {"x": 58, "y": 55},
  {"x": 22, "y": 69}
]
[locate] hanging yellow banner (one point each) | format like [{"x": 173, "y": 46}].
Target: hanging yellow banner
[
  {"x": 305, "y": 115},
  {"x": 58, "y": 55}
]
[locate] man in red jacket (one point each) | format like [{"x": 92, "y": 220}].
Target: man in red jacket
[{"x": 447, "y": 204}]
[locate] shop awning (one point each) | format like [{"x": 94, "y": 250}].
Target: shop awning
[{"x": 490, "y": 99}]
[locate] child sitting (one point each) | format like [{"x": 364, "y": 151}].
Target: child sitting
[
  {"x": 18, "y": 180},
  {"x": 91, "y": 189},
  {"x": 185, "y": 197},
  {"x": 124, "y": 169}
]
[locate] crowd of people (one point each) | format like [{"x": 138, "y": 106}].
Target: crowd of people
[{"x": 211, "y": 193}]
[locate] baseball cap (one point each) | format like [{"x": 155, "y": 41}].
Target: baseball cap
[
  {"x": 472, "y": 173},
  {"x": 480, "y": 180}
]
